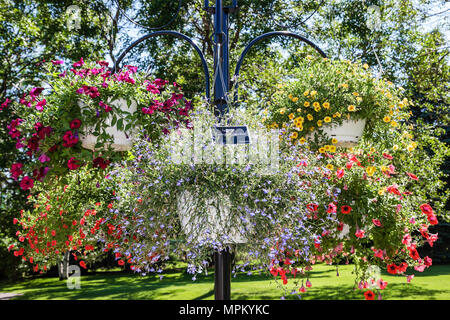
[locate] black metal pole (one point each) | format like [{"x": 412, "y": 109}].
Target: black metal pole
[
  {"x": 222, "y": 259},
  {"x": 222, "y": 275}
]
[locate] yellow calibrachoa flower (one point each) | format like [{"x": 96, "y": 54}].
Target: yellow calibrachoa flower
[
  {"x": 299, "y": 110},
  {"x": 294, "y": 135},
  {"x": 384, "y": 168},
  {"x": 290, "y": 96},
  {"x": 313, "y": 93},
  {"x": 410, "y": 147},
  {"x": 306, "y": 93},
  {"x": 351, "y": 108},
  {"x": 295, "y": 99},
  {"x": 317, "y": 107},
  {"x": 327, "y": 148},
  {"x": 322, "y": 150},
  {"x": 381, "y": 191},
  {"x": 310, "y": 117},
  {"x": 372, "y": 149},
  {"x": 355, "y": 94},
  {"x": 330, "y": 166},
  {"x": 370, "y": 170},
  {"x": 299, "y": 119},
  {"x": 306, "y": 104},
  {"x": 282, "y": 111},
  {"x": 311, "y": 129},
  {"x": 365, "y": 66},
  {"x": 291, "y": 116},
  {"x": 358, "y": 99},
  {"x": 332, "y": 149},
  {"x": 334, "y": 140},
  {"x": 387, "y": 119},
  {"x": 394, "y": 123},
  {"x": 344, "y": 85},
  {"x": 326, "y": 105},
  {"x": 395, "y": 147},
  {"x": 327, "y": 119},
  {"x": 302, "y": 140},
  {"x": 319, "y": 123}
]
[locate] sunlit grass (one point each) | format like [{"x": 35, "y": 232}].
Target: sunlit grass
[{"x": 433, "y": 284}]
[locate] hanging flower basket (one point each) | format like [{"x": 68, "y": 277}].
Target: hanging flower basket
[
  {"x": 333, "y": 104},
  {"x": 215, "y": 222},
  {"x": 86, "y": 115},
  {"x": 347, "y": 134},
  {"x": 122, "y": 141}
]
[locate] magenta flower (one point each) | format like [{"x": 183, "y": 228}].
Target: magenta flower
[
  {"x": 75, "y": 124},
  {"x": 103, "y": 63},
  {"x": 69, "y": 139},
  {"x": 16, "y": 170},
  {"x": 44, "y": 158},
  {"x": 39, "y": 174},
  {"x": 27, "y": 183},
  {"x": 40, "y": 105},
  {"x": 4, "y": 104},
  {"x": 105, "y": 106},
  {"x": 56, "y": 62},
  {"x": 78, "y": 64}
]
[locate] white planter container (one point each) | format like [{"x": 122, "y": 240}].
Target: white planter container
[
  {"x": 212, "y": 224},
  {"x": 121, "y": 141},
  {"x": 347, "y": 134}
]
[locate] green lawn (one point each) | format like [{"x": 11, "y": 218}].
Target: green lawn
[{"x": 433, "y": 284}]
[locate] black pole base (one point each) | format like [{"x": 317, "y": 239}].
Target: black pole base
[{"x": 222, "y": 275}]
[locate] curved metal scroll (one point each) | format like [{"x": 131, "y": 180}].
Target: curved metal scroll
[
  {"x": 177, "y": 35},
  {"x": 262, "y": 37}
]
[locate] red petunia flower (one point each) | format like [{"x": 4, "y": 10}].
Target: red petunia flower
[
  {"x": 73, "y": 164},
  {"x": 27, "y": 183},
  {"x": 426, "y": 209},
  {"x": 16, "y": 170},
  {"x": 360, "y": 234},
  {"x": 75, "y": 124},
  {"x": 414, "y": 254},
  {"x": 121, "y": 262},
  {"x": 369, "y": 295},
  {"x": 83, "y": 264},
  {"x": 377, "y": 222},
  {"x": 427, "y": 261},
  {"x": 402, "y": 267},
  {"x": 392, "y": 268},
  {"x": 312, "y": 207},
  {"x": 101, "y": 163},
  {"x": 331, "y": 208},
  {"x": 412, "y": 176},
  {"x": 432, "y": 219},
  {"x": 382, "y": 284},
  {"x": 346, "y": 209}
]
